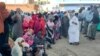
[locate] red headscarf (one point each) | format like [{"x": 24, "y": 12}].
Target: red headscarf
[
  {"x": 26, "y": 23},
  {"x": 36, "y": 24},
  {"x": 42, "y": 25},
  {"x": 32, "y": 21},
  {"x": 3, "y": 15}
]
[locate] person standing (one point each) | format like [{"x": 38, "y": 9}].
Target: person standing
[
  {"x": 17, "y": 29},
  {"x": 88, "y": 18},
  {"x": 65, "y": 24},
  {"x": 26, "y": 21},
  {"x": 61, "y": 14},
  {"x": 5, "y": 20},
  {"x": 81, "y": 17},
  {"x": 50, "y": 32},
  {"x": 42, "y": 25},
  {"x": 93, "y": 24},
  {"x": 73, "y": 31}
]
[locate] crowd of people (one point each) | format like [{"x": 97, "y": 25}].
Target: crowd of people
[{"x": 22, "y": 33}]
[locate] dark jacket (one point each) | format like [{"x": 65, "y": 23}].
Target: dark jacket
[
  {"x": 65, "y": 26},
  {"x": 4, "y": 37},
  {"x": 95, "y": 19}
]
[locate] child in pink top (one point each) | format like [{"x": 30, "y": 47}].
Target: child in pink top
[{"x": 28, "y": 37}]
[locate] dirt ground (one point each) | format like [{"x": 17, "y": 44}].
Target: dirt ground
[{"x": 86, "y": 47}]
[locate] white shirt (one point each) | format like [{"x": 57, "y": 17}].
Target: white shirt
[{"x": 50, "y": 24}]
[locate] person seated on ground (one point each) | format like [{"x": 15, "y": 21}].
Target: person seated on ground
[
  {"x": 31, "y": 48},
  {"x": 17, "y": 48},
  {"x": 28, "y": 37},
  {"x": 39, "y": 43}
]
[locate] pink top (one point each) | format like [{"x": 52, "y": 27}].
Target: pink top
[{"x": 28, "y": 39}]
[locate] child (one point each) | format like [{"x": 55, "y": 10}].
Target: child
[{"x": 28, "y": 37}]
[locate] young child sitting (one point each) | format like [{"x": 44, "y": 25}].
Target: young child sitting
[{"x": 28, "y": 37}]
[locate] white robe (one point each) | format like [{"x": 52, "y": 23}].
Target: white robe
[
  {"x": 17, "y": 50},
  {"x": 73, "y": 31}
]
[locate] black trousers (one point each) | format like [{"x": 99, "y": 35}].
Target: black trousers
[{"x": 5, "y": 49}]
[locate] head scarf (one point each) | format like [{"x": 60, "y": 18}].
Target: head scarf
[
  {"x": 32, "y": 21},
  {"x": 20, "y": 39},
  {"x": 26, "y": 21},
  {"x": 17, "y": 50},
  {"x": 36, "y": 23},
  {"x": 42, "y": 25},
  {"x": 3, "y": 15}
]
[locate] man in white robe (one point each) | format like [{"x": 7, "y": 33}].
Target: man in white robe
[{"x": 73, "y": 31}]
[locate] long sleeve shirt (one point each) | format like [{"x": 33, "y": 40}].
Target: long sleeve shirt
[{"x": 89, "y": 16}]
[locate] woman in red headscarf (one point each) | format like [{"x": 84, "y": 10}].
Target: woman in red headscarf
[
  {"x": 35, "y": 24},
  {"x": 42, "y": 25},
  {"x": 26, "y": 21},
  {"x": 32, "y": 21},
  {"x": 5, "y": 20}
]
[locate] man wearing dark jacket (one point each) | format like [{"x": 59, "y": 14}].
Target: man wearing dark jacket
[{"x": 93, "y": 24}]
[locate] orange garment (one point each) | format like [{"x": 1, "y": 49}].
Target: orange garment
[{"x": 3, "y": 15}]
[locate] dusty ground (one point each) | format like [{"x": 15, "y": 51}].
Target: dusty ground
[{"x": 86, "y": 48}]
